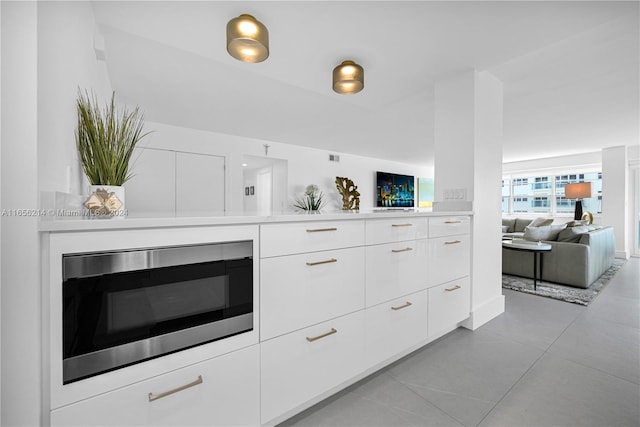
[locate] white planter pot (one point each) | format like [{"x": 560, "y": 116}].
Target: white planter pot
[{"x": 105, "y": 201}]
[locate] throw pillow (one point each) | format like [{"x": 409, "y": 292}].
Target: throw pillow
[
  {"x": 505, "y": 228},
  {"x": 575, "y": 223},
  {"x": 521, "y": 224},
  {"x": 572, "y": 234},
  {"x": 510, "y": 223},
  {"x": 546, "y": 232},
  {"x": 538, "y": 222}
]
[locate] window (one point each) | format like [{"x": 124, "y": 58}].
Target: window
[
  {"x": 544, "y": 194},
  {"x": 531, "y": 194}
]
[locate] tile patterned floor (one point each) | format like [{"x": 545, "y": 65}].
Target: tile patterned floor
[{"x": 541, "y": 363}]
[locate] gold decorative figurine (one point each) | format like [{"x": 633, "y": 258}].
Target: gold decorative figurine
[{"x": 349, "y": 192}]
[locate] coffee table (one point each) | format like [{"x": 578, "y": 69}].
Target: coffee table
[{"x": 537, "y": 248}]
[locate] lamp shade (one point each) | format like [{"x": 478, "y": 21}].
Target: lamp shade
[
  {"x": 348, "y": 78},
  {"x": 247, "y": 39},
  {"x": 581, "y": 190}
]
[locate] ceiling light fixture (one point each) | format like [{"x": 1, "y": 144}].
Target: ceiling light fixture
[
  {"x": 348, "y": 78},
  {"x": 247, "y": 39}
]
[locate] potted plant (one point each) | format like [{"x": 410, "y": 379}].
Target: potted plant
[
  {"x": 105, "y": 139},
  {"x": 312, "y": 200}
]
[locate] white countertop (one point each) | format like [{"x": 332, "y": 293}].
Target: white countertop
[{"x": 88, "y": 224}]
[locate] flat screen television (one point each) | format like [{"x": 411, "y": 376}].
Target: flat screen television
[{"x": 394, "y": 190}]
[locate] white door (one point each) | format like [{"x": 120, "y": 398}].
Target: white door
[{"x": 264, "y": 191}]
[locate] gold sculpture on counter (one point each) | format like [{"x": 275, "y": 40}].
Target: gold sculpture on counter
[{"x": 349, "y": 192}]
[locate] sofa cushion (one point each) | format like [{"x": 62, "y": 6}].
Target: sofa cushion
[
  {"x": 521, "y": 224},
  {"x": 510, "y": 223},
  {"x": 505, "y": 228},
  {"x": 546, "y": 232},
  {"x": 538, "y": 222},
  {"x": 572, "y": 234}
]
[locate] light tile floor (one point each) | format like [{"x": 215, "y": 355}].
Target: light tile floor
[{"x": 541, "y": 363}]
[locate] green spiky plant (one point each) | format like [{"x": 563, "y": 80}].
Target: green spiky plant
[{"x": 105, "y": 139}]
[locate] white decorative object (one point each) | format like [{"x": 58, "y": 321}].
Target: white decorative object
[{"x": 106, "y": 201}]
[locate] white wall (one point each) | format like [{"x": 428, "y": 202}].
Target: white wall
[
  {"x": 615, "y": 196},
  {"x": 306, "y": 165},
  {"x": 577, "y": 161},
  {"x": 66, "y": 63},
  {"x": 47, "y": 52},
  {"x": 468, "y": 155},
  {"x": 20, "y": 279}
]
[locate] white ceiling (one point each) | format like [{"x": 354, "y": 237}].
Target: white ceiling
[{"x": 570, "y": 70}]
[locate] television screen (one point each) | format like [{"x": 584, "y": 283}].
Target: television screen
[{"x": 394, "y": 190}]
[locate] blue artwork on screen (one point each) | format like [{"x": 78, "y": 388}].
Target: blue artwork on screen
[{"x": 394, "y": 190}]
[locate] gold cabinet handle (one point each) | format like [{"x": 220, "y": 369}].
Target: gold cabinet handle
[
  {"x": 327, "y": 261},
  {"x": 400, "y": 307},
  {"x": 452, "y": 222},
  {"x": 318, "y": 230},
  {"x": 402, "y": 225},
  {"x": 455, "y": 242},
  {"x": 153, "y": 397},
  {"x": 326, "y": 334},
  {"x": 455, "y": 288},
  {"x": 401, "y": 250}
]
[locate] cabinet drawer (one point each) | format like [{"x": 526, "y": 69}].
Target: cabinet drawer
[
  {"x": 395, "y": 230},
  {"x": 449, "y": 226},
  {"x": 304, "y": 364},
  {"x": 450, "y": 258},
  {"x": 297, "y": 291},
  {"x": 394, "y": 326},
  {"x": 285, "y": 239},
  {"x": 228, "y": 395},
  {"x": 449, "y": 304},
  {"x": 395, "y": 269}
]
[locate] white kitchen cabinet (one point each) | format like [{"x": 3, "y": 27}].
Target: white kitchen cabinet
[
  {"x": 395, "y": 269},
  {"x": 223, "y": 391},
  {"x": 449, "y": 304},
  {"x": 449, "y": 226},
  {"x": 394, "y": 326},
  {"x": 152, "y": 189},
  {"x": 396, "y": 230},
  {"x": 170, "y": 183},
  {"x": 301, "y": 237},
  {"x": 304, "y": 289},
  {"x": 200, "y": 184},
  {"x": 301, "y": 365},
  {"x": 449, "y": 258}
]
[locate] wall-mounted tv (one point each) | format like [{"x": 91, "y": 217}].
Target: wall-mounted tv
[{"x": 394, "y": 190}]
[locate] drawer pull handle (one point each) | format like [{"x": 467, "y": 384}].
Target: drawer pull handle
[
  {"x": 402, "y": 225},
  {"x": 455, "y": 288},
  {"x": 326, "y": 334},
  {"x": 452, "y": 222},
  {"x": 318, "y": 230},
  {"x": 401, "y": 250},
  {"x": 327, "y": 261},
  {"x": 153, "y": 397},
  {"x": 455, "y": 242},
  {"x": 400, "y": 307}
]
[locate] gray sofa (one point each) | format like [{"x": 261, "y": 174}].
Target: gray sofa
[{"x": 579, "y": 255}]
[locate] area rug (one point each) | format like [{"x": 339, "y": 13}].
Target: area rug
[{"x": 560, "y": 292}]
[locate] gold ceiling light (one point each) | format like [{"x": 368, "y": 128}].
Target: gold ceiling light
[
  {"x": 348, "y": 78},
  {"x": 247, "y": 39}
]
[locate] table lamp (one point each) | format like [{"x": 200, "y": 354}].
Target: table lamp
[{"x": 578, "y": 191}]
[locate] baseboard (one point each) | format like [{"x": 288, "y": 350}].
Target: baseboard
[
  {"x": 622, "y": 254},
  {"x": 482, "y": 314}
]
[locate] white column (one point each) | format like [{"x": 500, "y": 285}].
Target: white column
[
  {"x": 615, "y": 196},
  {"x": 468, "y": 175},
  {"x": 21, "y": 332}
]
